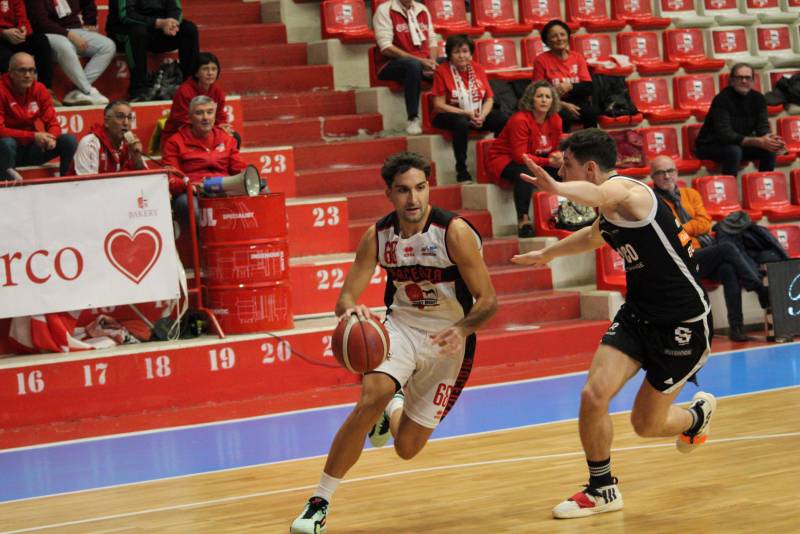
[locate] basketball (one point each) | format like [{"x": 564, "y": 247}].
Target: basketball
[{"x": 360, "y": 345}]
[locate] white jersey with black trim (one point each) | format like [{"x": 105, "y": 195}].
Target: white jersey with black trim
[
  {"x": 424, "y": 288},
  {"x": 663, "y": 286}
]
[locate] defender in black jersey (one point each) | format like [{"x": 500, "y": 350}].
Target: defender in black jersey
[
  {"x": 438, "y": 293},
  {"x": 664, "y": 326}
]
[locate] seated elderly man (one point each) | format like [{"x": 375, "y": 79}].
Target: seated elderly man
[
  {"x": 719, "y": 261},
  {"x": 111, "y": 146},
  {"x": 736, "y": 127},
  {"x": 199, "y": 150},
  {"x": 23, "y": 103}
]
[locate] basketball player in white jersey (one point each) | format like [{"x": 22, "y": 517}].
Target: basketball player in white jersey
[
  {"x": 438, "y": 293},
  {"x": 664, "y": 326}
]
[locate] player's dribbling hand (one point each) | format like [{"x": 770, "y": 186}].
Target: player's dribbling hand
[
  {"x": 540, "y": 177},
  {"x": 362, "y": 311},
  {"x": 535, "y": 257},
  {"x": 450, "y": 341}
]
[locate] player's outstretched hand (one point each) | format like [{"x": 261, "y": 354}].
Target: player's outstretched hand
[
  {"x": 450, "y": 341},
  {"x": 540, "y": 177},
  {"x": 361, "y": 310},
  {"x": 535, "y": 257}
]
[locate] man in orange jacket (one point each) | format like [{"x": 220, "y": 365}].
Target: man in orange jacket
[{"x": 721, "y": 262}]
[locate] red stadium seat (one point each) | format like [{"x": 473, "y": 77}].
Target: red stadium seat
[
  {"x": 482, "y": 160},
  {"x": 720, "y": 195},
  {"x": 694, "y": 93},
  {"x": 540, "y": 12},
  {"x": 499, "y": 58},
  {"x": 663, "y": 141},
  {"x": 794, "y": 177},
  {"x": 723, "y": 82},
  {"x": 769, "y": 192},
  {"x": 545, "y": 206},
  {"x": 682, "y": 13},
  {"x": 777, "y": 74},
  {"x": 531, "y": 47},
  {"x": 592, "y": 15},
  {"x": 642, "y": 49},
  {"x": 771, "y": 11},
  {"x": 449, "y": 17},
  {"x": 596, "y": 48},
  {"x": 685, "y": 46},
  {"x": 374, "y": 54},
  {"x": 610, "y": 270},
  {"x": 689, "y": 136},
  {"x": 497, "y": 16},
  {"x": 727, "y": 12},
  {"x": 638, "y": 13},
  {"x": 774, "y": 42},
  {"x": 651, "y": 97},
  {"x": 788, "y": 235},
  {"x": 345, "y": 20}
]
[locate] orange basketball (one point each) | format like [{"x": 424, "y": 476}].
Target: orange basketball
[{"x": 360, "y": 345}]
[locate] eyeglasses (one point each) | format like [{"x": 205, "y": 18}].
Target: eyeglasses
[
  {"x": 23, "y": 70},
  {"x": 660, "y": 174},
  {"x": 742, "y": 78}
]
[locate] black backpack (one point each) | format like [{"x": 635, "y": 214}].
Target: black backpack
[
  {"x": 164, "y": 82},
  {"x": 611, "y": 97}
]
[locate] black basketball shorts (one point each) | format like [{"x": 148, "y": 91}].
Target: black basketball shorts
[{"x": 669, "y": 354}]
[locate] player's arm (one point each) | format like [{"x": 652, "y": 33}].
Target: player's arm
[
  {"x": 583, "y": 240},
  {"x": 358, "y": 277},
  {"x": 608, "y": 195},
  {"x": 462, "y": 245}
]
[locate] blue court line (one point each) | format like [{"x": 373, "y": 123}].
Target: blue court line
[{"x": 83, "y": 465}]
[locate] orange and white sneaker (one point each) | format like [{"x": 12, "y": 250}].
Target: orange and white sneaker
[
  {"x": 590, "y": 501},
  {"x": 707, "y": 403}
]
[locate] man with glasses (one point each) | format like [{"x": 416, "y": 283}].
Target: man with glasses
[
  {"x": 719, "y": 261},
  {"x": 23, "y": 103},
  {"x": 16, "y": 35},
  {"x": 736, "y": 128},
  {"x": 111, "y": 146}
]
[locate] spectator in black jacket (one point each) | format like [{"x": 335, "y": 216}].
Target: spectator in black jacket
[
  {"x": 736, "y": 127},
  {"x": 141, "y": 26}
]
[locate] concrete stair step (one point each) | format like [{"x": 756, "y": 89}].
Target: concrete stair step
[
  {"x": 283, "y": 131},
  {"x": 267, "y": 55},
  {"x": 374, "y": 204},
  {"x": 254, "y": 80},
  {"x": 212, "y": 14},
  {"x": 514, "y": 279},
  {"x": 241, "y": 35},
  {"x": 357, "y": 152},
  {"x": 296, "y": 105},
  {"x": 535, "y": 307}
]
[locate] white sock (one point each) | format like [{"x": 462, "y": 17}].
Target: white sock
[
  {"x": 327, "y": 485},
  {"x": 395, "y": 404}
]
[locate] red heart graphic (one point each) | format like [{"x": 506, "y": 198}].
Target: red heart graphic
[{"x": 133, "y": 255}]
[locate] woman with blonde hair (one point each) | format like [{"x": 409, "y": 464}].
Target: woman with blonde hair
[{"x": 534, "y": 130}]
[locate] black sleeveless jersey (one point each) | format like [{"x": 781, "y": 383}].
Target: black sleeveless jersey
[{"x": 662, "y": 282}]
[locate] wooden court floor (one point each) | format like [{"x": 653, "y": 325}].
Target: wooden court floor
[{"x": 744, "y": 480}]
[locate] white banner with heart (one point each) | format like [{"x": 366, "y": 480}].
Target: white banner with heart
[{"x": 86, "y": 244}]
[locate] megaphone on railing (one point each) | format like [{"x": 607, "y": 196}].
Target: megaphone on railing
[{"x": 247, "y": 182}]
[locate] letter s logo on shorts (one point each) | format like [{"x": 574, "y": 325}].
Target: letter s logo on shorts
[{"x": 683, "y": 335}]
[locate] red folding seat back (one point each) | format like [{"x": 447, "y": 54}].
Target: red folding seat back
[
  {"x": 450, "y": 17},
  {"x": 660, "y": 141},
  {"x": 497, "y": 16},
  {"x": 651, "y": 97},
  {"x": 539, "y": 12},
  {"x": 768, "y": 191},
  {"x": 496, "y": 54},
  {"x": 773, "y": 39},
  {"x": 789, "y": 129},
  {"x": 345, "y": 20},
  {"x": 731, "y": 40},
  {"x": 545, "y": 207},
  {"x": 720, "y": 194},
  {"x": 531, "y": 47},
  {"x": 694, "y": 93},
  {"x": 642, "y": 49},
  {"x": 593, "y": 46},
  {"x": 482, "y": 148},
  {"x": 794, "y": 177},
  {"x": 373, "y": 56},
  {"x": 637, "y": 13},
  {"x": 788, "y": 235},
  {"x": 686, "y": 46},
  {"x": 592, "y": 15},
  {"x": 610, "y": 269}
]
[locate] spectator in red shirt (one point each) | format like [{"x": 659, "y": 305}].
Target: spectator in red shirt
[
  {"x": 404, "y": 34},
  {"x": 17, "y": 36},
  {"x": 568, "y": 72},
  {"x": 199, "y": 150},
  {"x": 463, "y": 100},
  {"x": 111, "y": 146},
  {"x": 23, "y": 102},
  {"x": 534, "y": 130},
  {"x": 202, "y": 82}
]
